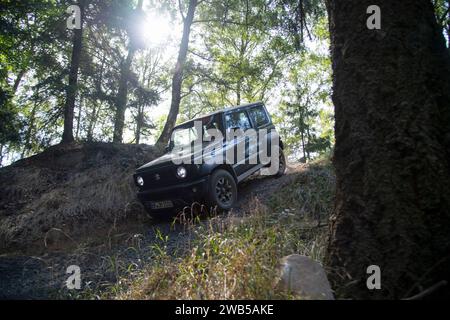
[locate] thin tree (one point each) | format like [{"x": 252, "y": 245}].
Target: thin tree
[
  {"x": 122, "y": 95},
  {"x": 392, "y": 155},
  {"x": 72, "y": 88},
  {"x": 177, "y": 79}
]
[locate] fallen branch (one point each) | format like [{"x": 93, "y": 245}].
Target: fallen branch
[{"x": 428, "y": 291}]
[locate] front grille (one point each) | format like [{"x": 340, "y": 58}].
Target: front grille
[
  {"x": 160, "y": 177},
  {"x": 165, "y": 176}
]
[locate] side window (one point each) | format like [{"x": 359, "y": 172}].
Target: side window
[
  {"x": 259, "y": 116},
  {"x": 212, "y": 125},
  {"x": 237, "y": 120}
]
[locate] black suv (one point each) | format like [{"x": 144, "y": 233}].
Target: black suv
[{"x": 208, "y": 156}]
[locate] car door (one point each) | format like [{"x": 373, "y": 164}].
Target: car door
[{"x": 235, "y": 120}]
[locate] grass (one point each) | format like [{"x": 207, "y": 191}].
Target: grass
[
  {"x": 236, "y": 257},
  {"x": 76, "y": 191}
]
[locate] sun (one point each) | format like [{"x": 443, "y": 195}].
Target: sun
[{"x": 156, "y": 29}]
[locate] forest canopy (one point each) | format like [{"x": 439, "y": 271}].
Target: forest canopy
[
  {"x": 115, "y": 78},
  {"x": 135, "y": 68}
]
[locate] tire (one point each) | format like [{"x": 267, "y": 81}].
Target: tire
[
  {"x": 281, "y": 164},
  {"x": 222, "y": 190}
]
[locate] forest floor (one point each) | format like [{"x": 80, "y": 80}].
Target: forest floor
[{"x": 131, "y": 246}]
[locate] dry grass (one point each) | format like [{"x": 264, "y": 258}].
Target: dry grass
[
  {"x": 81, "y": 190},
  {"x": 236, "y": 257}
]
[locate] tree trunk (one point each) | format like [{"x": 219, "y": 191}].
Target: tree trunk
[
  {"x": 122, "y": 95},
  {"x": 302, "y": 134},
  {"x": 392, "y": 156},
  {"x": 238, "y": 92},
  {"x": 95, "y": 105},
  {"x": 79, "y": 119},
  {"x": 139, "y": 122},
  {"x": 31, "y": 121},
  {"x": 92, "y": 121},
  {"x": 243, "y": 45},
  {"x": 177, "y": 79},
  {"x": 73, "y": 80},
  {"x": 308, "y": 137},
  {"x": 448, "y": 27},
  {"x": 141, "y": 105},
  {"x": 18, "y": 80}
]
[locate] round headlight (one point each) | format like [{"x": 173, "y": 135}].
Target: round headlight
[
  {"x": 181, "y": 172},
  {"x": 140, "y": 181}
]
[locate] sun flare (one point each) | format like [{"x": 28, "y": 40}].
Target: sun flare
[{"x": 156, "y": 29}]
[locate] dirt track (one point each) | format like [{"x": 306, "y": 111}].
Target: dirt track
[{"x": 30, "y": 277}]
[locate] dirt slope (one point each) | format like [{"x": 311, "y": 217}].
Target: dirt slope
[
  {"x": 40, "y": 276},
  {"x": 67, "y": 193}
]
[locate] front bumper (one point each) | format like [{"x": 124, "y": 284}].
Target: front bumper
[{"x": 181, "y": 195}]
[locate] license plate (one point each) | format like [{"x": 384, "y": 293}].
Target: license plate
[{"x": 155, "y": 205}]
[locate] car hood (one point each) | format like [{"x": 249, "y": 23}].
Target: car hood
[
  {"x": 168, "y": 159},
  {"x": 164, "y": 160}
]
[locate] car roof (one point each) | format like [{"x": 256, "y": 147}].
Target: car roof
[{"x": 227, "y": 109}]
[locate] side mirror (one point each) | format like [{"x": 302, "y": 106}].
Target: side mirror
[{"x": 169, "y": 146}]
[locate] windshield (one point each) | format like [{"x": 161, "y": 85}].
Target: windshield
[{"x": 186, "y": 134}]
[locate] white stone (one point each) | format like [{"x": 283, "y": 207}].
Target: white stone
[{"x": 304, "y": 278}]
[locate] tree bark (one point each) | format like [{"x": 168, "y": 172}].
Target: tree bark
[
  {"x": 177, "y": 79},
  {"x": 141, "y": 105},
  {"x": 122, "y": 95},
  {"x": 72, "y": 89},
  {"x": 1, "y": 155},
  {"x": 308, "y": 137},
  {"x": 391, "y": 92},
  {"x": 95, "y": 105},
  {"x": 92, "y": 121},
  {"x": 30, "y": 129},
  {"x": 448, "y": 27},
  {"x": 139, "y": 122},
  {"x": 18, "y": 80},
  {"x": 79, "y": 119},
  {"x": 302, "y": 133}
]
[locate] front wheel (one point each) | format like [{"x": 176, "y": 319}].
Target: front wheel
[
  {"x": 222, "y": 190},
  {"x": 281, "y": 163}
]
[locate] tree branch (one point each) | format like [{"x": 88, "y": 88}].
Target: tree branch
[
  {"x": 181, "y": 11},
  {"x": 428, "y": 291}
]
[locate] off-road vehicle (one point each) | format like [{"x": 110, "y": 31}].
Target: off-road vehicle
[{"x": 185, "y": 173}]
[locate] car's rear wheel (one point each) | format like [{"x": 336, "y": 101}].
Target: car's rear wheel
[{"x": 222, "y": 191}]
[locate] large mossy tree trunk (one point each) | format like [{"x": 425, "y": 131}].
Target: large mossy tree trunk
[{"x": 391, "y": 91}]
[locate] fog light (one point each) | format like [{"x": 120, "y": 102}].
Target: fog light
[
  {"x": 181, "y": 172},
  {"x": 140, "y": 181}
]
